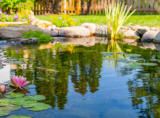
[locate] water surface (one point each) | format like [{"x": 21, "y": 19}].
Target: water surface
[{"x": 90, "y": 82}]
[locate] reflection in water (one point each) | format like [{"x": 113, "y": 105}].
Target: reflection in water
[
  {"x": 54, "y": 69},
  {"x": 5, "y": 74}
]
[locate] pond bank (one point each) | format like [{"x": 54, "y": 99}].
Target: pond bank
[{"x": 83, "y": 35}]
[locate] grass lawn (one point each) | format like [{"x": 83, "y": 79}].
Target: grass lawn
[{"x": 144, "y": 20}]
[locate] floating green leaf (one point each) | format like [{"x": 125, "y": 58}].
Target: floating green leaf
[
  {"x": 14, "y": 95},
  {"x": 133, "y": 66},
  {"x": 19, "y": 116},
  {"x": 133, "y": 55},
  {"x": 5, "y": 100},
  {"x": 4, "y": 112},
  {"x": 17, "y": 101},
  {"x": 29, "y": 104},
  {"x": 39, "y": 107},
  {"x": 35, "y": 98},
  {"x": 149, "y": 64}
]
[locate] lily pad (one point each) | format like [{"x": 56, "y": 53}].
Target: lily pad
[
  {"x": 4, "y": 101},
  {"x": 133, "y": 55},
  {"x": 17, "y": 101},
  {"x": 19, "y": 116},
  {"x": 133, "y": 66},
  {"x": 14, "y": 95},
  {"x": 35, "y": 97},
  {"x": 40, "y": 107},
  {"x": 4, "y": 113},
  {"x": 149, "y": 64},
  {"x": 29, "y": 104}
]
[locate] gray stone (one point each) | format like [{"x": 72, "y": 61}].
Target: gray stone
[
  {"x": 14, "y": 32},
  {"x": 130, "y": 34},
  {"x": 76, "y": 31},
  {"x": 53, "y": 33},
  {"x": 157, "y": 38},
  {"x": 28, "y": 41},
  {"x": 141, "y": 30},
  {"x": 101, "y": 30},
  {"x": 146, "y": 45},
  {"x": 149, "y": 36},
  {"x": 91, "y": 27}
]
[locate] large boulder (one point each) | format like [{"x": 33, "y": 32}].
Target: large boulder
[
  {"x": 130, "y": 34},
  {"x": 91, "y": 27},
  {"x": 53, "y": 33},
  {"x": 76, "y": 31},
  {"x": 157, "y": 38},
  {"x": 101, "y": 30},
  {"x": 14, "y": 32},
  {"x": 142, "y": 29},
  {"x": 149, "y": 36}
]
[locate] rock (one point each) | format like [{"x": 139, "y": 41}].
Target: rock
[
  {"x": 141, "y": 30},
  {"x": 43, "y": 24},
  {"x": 53, "y": 33},
  {"x": 101, "y": 30},
  {"x": 51, "y": 28},
  {"x": 14, "y": 32},
  {"x": 91, "y": 27},
  {"x": 76, "y": 31},
  {"x": 149, "y": 36},
  {"x": 130, "y": 34},
  {"x": 28, "y": 41},
  {"x": 157, "y": 38},
  {"x": 148, "y": 45}
]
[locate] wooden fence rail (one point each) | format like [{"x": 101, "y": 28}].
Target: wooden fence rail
[{"x": 97, "y": 7}]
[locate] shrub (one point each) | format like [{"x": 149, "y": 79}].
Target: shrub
[
  {"x": 42, "y": 38},
  {"x": 62, "y": 20},
  {"x": 117, "y": 13},
  {"x": 10, "y": 6}
]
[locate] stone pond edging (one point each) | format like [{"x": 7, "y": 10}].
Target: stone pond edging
[{"x": 141, "y": 33}]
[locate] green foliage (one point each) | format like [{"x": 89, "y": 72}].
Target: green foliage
[
  {"x": 19, "y": 116},
  {"x": 42, "y": 38},
  {"x": 16, "y": 5},
  {"x": 117, "y": 13},
  {"x": 15, "y": 101},
  {"x": 62, "y": 20},
  {"x": 143, "y": 20}
]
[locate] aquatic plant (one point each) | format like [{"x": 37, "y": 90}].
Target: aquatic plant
[
  {"x": 2, "y": 88},
  {"x": 42, "y": 37},
  {"x": 117, "y": 13},
  {"x": 15, "y": 101},
  {"x": 19, "y": 82}
]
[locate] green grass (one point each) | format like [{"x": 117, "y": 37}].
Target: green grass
[{"x": 144, "y": 20}]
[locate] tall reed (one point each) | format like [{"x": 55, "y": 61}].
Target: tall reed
[{"x": 117, "y": 13}]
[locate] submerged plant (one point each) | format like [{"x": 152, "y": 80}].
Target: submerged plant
[
  {"x": 19, "y": 82},
  {"x": 117, "y": 13}
]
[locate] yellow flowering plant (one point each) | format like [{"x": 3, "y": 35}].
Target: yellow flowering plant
[{"x": 62, "y": 20}]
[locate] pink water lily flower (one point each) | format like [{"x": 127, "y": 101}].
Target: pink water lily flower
[
  {"x": 2, "y": 88},
  {"x": 19, "y": 82}
]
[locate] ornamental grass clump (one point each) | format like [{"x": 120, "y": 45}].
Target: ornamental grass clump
[{"x": 117, "y": 13}]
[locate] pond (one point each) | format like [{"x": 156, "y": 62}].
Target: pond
[{"x": 99, "y": 81}]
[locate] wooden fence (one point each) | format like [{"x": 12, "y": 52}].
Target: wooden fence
[{"x": 97, "y": 7}]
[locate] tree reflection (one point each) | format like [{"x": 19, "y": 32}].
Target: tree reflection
[{"x": 51, "y": 69}]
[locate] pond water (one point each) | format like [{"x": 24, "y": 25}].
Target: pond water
[{"x": 89, "y": 82}]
